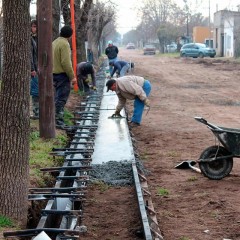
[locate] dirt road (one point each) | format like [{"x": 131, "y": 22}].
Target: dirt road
[
  {"x": 189, "y": 206},
  {"x": 195, "y": 208}
]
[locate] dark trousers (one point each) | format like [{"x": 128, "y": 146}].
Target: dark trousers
[
  {"x": 62, "y": 87},
  {"x": 83, "y": 85}
]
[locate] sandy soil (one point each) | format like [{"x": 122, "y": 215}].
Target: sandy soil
[{"x": 196, "y": 207}]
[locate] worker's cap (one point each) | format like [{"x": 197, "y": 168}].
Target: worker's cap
[
  {"x": 33, "y": 22},
  {"x": 110, "y": 42},
  {"x": 66, "y": 32},
  {"x": 110, "y": 83},
  {"x": 88, "y": 67}
]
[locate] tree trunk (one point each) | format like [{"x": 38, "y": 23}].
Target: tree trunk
[
  {"x": 56, "y": 18},
  {"x": 14, "y": 111},
  {"x": 66, "y": 12},
  {"x": 81, "y": 49},
  {"x": 81, "y": 29}
]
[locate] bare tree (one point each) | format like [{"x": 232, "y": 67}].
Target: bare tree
[
  {"x": 82, "y": 13},
  {"x": 14, "y": 111},
  {"x": 56, "y": 18},
  {"x": 163, "y": 19},
  {"x": 100, "y": 15},
  {"x": 82, "y": 8}
]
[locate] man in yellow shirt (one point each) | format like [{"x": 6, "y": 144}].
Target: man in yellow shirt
[{"x": 63, "y": 73}]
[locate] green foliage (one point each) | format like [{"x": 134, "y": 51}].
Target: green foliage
[
  {"x": 184, "y": 238},
  {"x": 162, "y": 192},
  {"x": 102, "y": 187},
  {"x": 67, "y": 117},
  {"x": 39, "y": 155},
  {"x": 34, "y": 136},
  {"x": 172, "y": 55},
  {"x": 192, "y": 179},
  {"x": 6, "y": 222}
]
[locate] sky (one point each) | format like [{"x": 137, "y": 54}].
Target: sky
[{"x": 127, "y": 18}]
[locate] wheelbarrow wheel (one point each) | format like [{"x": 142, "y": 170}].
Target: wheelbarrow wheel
[{"x": 217, "y": 169}]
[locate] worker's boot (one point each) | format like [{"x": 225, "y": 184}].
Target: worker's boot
[
  {"x": 35, "y": 107},
  {"x": 59, "y": 118}
]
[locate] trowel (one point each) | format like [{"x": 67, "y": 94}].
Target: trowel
[{"x": 116, "y": 116}]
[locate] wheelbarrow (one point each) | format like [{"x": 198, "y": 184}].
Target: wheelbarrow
[{"x": 216, "y": 162}]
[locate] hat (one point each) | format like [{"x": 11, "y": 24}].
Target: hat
[
  {"x": 110, "y": 42},
  {"x": 88, "y": 67},
  {"x": 110, "y": 83},
  {"x": 66, "y": 32},
  {"x": 34, "y": 22}
]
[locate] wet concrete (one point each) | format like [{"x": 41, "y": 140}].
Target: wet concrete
[{"x": 112, "y": 141}]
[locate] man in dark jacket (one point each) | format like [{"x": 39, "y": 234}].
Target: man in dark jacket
[
  {"x": 34, "y": 91},
  {"x": 83, "y": 69},
  {"x": 111, "y": 51},
  {"x": 120, "y": 66}
]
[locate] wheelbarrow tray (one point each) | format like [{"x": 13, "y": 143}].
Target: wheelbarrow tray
[{"x": 229, "y": 138}]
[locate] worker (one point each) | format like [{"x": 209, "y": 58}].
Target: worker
[
  {"x": 133, "y": 88},
  {"x": 119, "y": 66},
  {"x": 111, "y": 51},
  {"x": 83, "y": 69},
  {"x": 63, "y": 74}
]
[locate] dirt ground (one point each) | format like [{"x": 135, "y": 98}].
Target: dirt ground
[{"x": 196, "y": 207}]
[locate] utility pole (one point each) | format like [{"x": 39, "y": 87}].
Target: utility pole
[
  {"x": 187, "y": 12},
  {"x": 209, "y": 24},
  {"x": 45, "y": 65},
  {"x": 74, "y": 47}
]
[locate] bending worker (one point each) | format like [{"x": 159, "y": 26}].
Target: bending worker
[
  {"x": 132, "y": 88},
  {"x": 83, "y": 69},
  {"x": 120, "y": 66}
]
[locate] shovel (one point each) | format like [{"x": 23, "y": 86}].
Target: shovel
[{"x": 188, "y": 164}]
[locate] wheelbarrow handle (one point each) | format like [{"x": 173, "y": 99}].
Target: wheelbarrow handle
[{"x": 204, "y": 121}]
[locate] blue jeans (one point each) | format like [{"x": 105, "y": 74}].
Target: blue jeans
[
  {"x": 139, "y": 105},
  {"x": 124, "y": 70},
  {"x": 111, "y": 67},
  {"x": 34, "y": 89}
]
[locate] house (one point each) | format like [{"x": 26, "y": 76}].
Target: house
[
  {"x": 226, "y": 33},
  {"x": 203, "y": 35}
]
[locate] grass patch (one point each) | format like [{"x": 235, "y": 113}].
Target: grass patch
[
  {"x": 102, "y": 187},
  {"x": 67, "y": 118},
  {"x": 173, "y": 154},
  {"x": 162, "y": 192},
  {"x": 172, "y": 55},
  {"x": 6, "y": 222},
  {"x": 40, "y": 158},
  {"x": 184, "y": 238},
  {"x": 192, "y": 179}
]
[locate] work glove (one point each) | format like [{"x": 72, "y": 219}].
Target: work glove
[
  {"x": 87, "y": 80},
  {"x": 116, "y": 114},
  {"x": 94, "y": 88},
  {"x": 147, "y": 102}
]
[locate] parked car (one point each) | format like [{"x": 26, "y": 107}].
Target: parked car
[
  {"x": 149, "y": 49},
  {"x": 171, "y": 48},
  {"x": 130, "y": 46},
  {"x": 197, "y": 50}
]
